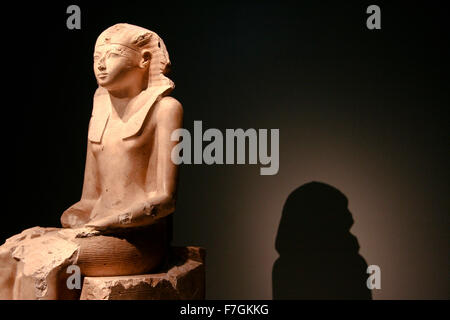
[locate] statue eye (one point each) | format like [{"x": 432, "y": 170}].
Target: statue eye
[{"x": 114, "y": 54}]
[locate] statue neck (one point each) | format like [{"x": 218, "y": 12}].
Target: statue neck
[
  {"x": 119, "y": 107},
  {"x": 121, "y": 98},
  {"x": 120, "y": 102}
]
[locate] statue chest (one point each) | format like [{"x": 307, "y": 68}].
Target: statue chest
[{"x": 113, "y": 147}]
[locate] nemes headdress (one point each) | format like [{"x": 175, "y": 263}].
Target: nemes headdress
[
  {"x": 135, "y": 38},
  {"x": 138, "y": 38}
]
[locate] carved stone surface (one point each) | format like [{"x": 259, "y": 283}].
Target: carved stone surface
[
  {"x": 183, "y": 279},
  {"x": 30, "y": 262},
  {"x": 119, "y": 227},
  {"x": 129, "y": 179}
]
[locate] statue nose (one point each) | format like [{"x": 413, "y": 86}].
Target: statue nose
[{"x": 101, "y": 65}]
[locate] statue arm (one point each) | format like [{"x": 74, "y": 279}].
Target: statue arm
[
  {"x": 169, "y": 117},
  {"x": 79, "y": 213}
]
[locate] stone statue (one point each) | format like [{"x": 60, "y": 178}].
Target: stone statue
[{"x": 119, "y": 227}]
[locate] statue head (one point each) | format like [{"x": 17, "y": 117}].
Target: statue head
[{"x": 126, "y": 55}]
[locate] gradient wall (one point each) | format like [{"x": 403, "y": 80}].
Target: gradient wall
[{"x": 363, "y": 111}]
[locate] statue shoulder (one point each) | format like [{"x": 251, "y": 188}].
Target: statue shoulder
[{"x": 168, "y": 108}]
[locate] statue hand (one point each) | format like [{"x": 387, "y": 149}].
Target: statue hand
[{"x": 76, "y": 215}]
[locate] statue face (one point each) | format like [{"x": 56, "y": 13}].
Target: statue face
[{"x": 116, "y": 66}]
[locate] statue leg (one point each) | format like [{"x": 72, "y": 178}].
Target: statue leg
[
  {"x": 8, "y": 267},
  {"x": 34, "y": 263},
  {"x": 31, "y": 263}
]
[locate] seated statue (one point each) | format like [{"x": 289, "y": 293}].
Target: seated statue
[{"x": 120, "y": 226}]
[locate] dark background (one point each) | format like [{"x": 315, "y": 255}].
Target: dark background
[{"x": 363, "y": 111}]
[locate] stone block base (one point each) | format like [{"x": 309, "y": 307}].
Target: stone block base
[{"x": 182, "y": 279}]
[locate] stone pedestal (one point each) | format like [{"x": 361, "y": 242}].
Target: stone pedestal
[{"x": 182, "y": 279}]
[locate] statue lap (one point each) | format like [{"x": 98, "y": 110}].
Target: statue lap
[
  {"x": 42, "y": 255},
  {"x": 126, "y": 253}
]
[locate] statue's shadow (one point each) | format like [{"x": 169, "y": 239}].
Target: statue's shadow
[{"x": 319, "y": 256}]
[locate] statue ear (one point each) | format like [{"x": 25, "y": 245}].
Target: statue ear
[{"x": 145, "y": 58}]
